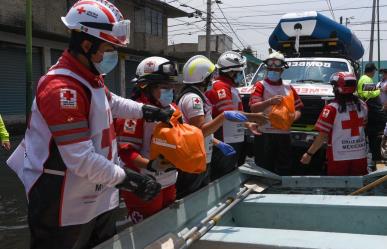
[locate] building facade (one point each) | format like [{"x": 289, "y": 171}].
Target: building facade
[{"x": 149, "y": 36}]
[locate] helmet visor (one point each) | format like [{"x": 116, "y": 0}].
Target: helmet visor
[
  {"x": 117, "y": 33},
  {"x": 275, "y": 63},
  {"x": 167, "y": 68},
  {"x": 121, "y": 30}
]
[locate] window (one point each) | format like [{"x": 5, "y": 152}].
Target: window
[
  {"x": 139, "y": 20},
  {"x": 148, "y": 21}
]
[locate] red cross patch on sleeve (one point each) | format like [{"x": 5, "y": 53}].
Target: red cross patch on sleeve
[
  {"x": 197, "y": 103},
  {"x": 68, "y": 98},
  {"x": 325, "y": 113},
  {"x": 130, "y": 126},
  {"x": 222, "y": 94}
]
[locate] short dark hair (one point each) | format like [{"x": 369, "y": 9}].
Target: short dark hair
[{"x": 370, "y": 67}]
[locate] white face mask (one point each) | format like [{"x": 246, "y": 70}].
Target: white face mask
[{"x": 108, "y": 63}]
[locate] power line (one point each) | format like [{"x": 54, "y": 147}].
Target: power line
[
  {"x": 272, "y": 4},
  {"x": 331, "y": 9},
  {"x": 230, "y": 25},
  {"x": 323, "y": 10}
]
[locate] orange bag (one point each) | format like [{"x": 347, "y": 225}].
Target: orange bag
[
  {"x": 282, "y": 115},
  {"x": 181, "y": 144}
]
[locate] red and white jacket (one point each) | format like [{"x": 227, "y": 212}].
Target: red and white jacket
[
  {"x": 134, "y": 137},
  {"x": 225, "y": 97},
  {"x": 73, "y": 114},
  {"x": 346, "y": 135},
  {"x": 267, "y": 89}
]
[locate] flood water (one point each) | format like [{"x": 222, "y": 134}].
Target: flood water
[{"x": 14, "y": 232}]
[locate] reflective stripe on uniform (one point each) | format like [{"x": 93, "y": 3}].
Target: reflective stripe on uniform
[
  {"x": 54, "y": 172},
  {"x": 69, "y": 126},
  {"x": 226, "y": 107},
  {"x": 324, "y": 123},
  {"x": 129, "y": 139},
  {"x": 72, "y": 137},
  {"x": 227, "y": 101}
]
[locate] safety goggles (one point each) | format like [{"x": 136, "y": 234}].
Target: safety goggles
[
  {"x": 168, "y": 69},
  {"x": 276, "y": 63},
  {"x": 117, "y": 33}
]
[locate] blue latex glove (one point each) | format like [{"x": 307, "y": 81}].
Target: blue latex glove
[
  {"x": 226, "y": 149},
  {"x": 235, "y": 116}
]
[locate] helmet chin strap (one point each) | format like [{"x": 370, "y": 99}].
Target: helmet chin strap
[{"x": 93, "y": 49}]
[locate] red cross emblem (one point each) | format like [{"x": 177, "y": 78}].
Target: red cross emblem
[
  {"x": 81, "y": 10},
  {"x": 149, "y": 67},
  {"x": 197, "y": 101},
  {"x": 68, "y": 95},
  {"x": 354, "y": 123},
  {"x": 107, "y": 137},
  {"x": 149, "y": 64},
  {"x": 136, "y": 217},
  {"x": 130, "y": 126}
]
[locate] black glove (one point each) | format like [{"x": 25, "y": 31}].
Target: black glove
[
  {"x": 143, "y": 186},
  {"x": 153, "y": 113}
]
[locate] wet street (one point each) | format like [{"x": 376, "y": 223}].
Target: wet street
[{"x": 13, "y": 206}]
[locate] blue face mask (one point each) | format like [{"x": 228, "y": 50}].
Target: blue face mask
[
  {"x": 273, "y": 75},
  {"x": 166, "y": 97},
  {"x": 108, "y": 63},
  {"x": 238, "y": 79}
]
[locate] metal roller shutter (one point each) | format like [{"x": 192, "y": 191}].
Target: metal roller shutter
[
  {"x": 130, "y": 73},
  {"x": 13, "y": 77},
  {"x": 55, "y": 54},
  {"x": 112, "y": 81}
]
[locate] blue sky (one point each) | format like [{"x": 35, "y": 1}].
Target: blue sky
[{"x": 253, "y": 20}]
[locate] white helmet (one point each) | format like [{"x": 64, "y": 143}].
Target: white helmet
[
  {"x": 156, "y": 69},
  {"x": 99, "y": 18},
  {"x": 276, "y": 60},
  {"x": 231, "y": 61},
  {"x": 197, "y": 69}
]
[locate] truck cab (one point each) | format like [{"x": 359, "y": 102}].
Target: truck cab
[{"x": 310, "y": 78}]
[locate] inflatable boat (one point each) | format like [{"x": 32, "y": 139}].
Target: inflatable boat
[{"x": 314, "y": 31}]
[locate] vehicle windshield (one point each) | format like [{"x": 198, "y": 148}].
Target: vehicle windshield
[{"x": 307, "y": 71}]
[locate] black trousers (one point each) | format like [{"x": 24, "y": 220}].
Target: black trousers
[
  {"x": 43, "y": 220},
  {"x": 221, "y": 164},
  {"x": 274, "y": 153},
  {"x": 374, "y": 142},
  {"x": 188, "y": 183}
]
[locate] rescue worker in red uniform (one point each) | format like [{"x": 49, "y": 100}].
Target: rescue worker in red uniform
[
  {"x": 225, "y": 97},
  {"x": 68, "y": 159},
  {"x": 342, "y": 122},
  {"x": 272, "y": 150},
  {"x": 156, "y": 77}
]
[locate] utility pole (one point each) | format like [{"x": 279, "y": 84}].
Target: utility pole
[
  {"x": 341, "y": 20},
  {"x": 28, "y": 58},
  {"x": 372, "y": 32},
  {"x": 378, "y": 37},
  {"x": 208, "y": 30}
]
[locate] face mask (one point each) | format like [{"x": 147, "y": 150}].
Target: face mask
[
  {"x": 238, "y": 79},
  {"x": 209, "y": 87},
  {"x": 166, "y": 97},
  {"x": 273, "y": 75},
  {"x": 108, "y": 63}
]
